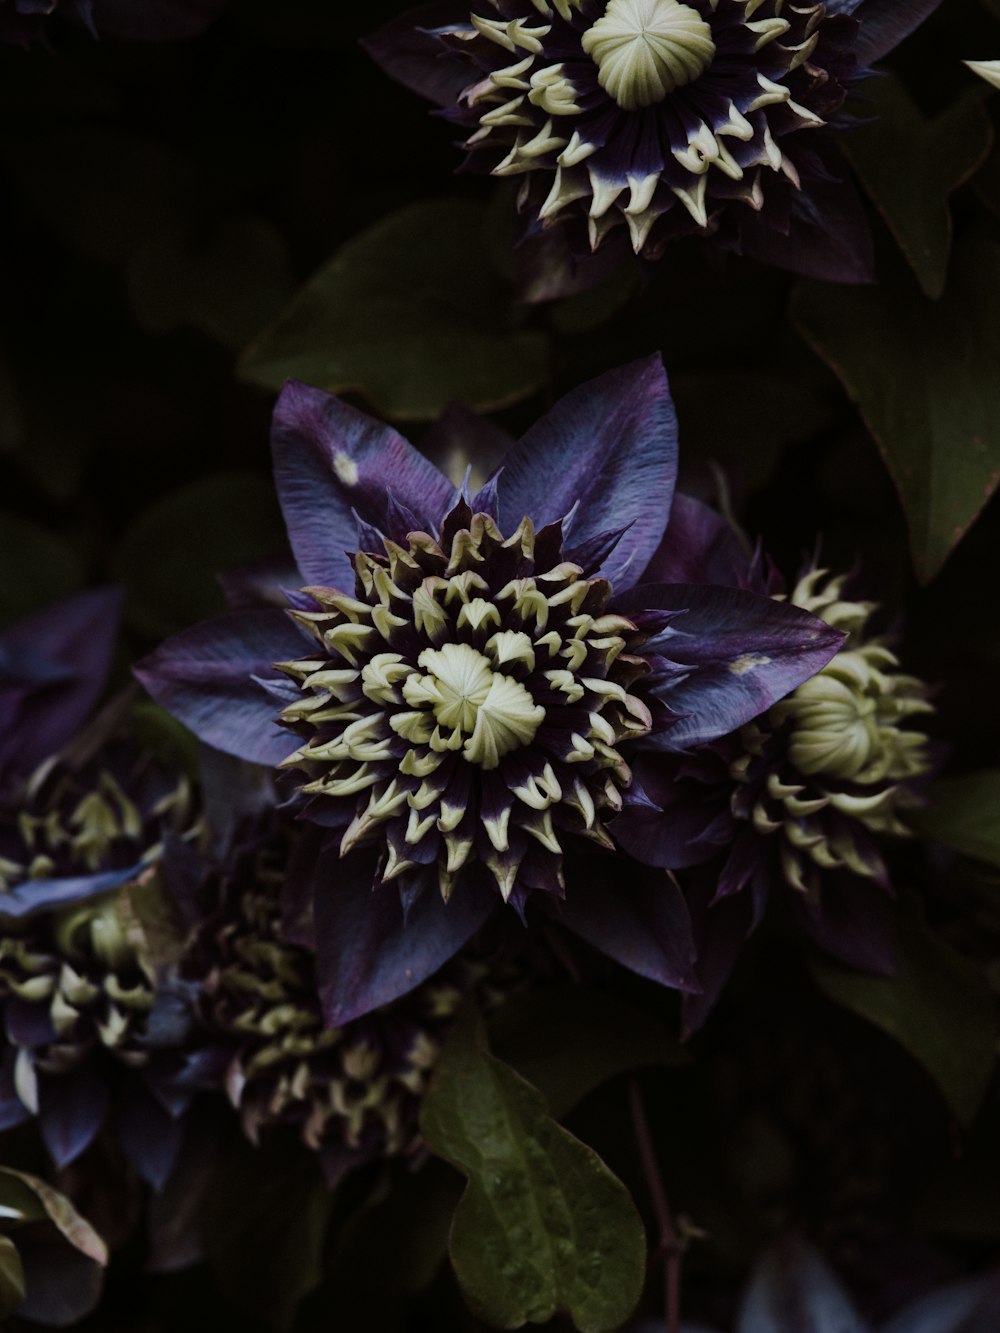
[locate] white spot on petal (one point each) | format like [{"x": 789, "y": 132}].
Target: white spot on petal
[{"x": 345, "y": 468}]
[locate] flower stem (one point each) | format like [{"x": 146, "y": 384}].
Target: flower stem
[{"x": 669, "y": 1248}]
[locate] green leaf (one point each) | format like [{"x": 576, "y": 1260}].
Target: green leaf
[
  {"x": 228, "y": 283},
  {"x": 39, "y": 568},
  {"x": 924, "y": 375},
  {"x": 567, "y": 1041},
  {"x": 11, "y": 1278},
  {"x": 411, "y": 315},
  {"x": 264, "y": 1221},
  {"x": 964, "y": 813},
  {"x": 911, "y": 166},
  {"x": 543, "y": 1226},
  {"x": 170, "y": 556},
  {"x": 163, "y": 736},
  {"x": 937, "y": 1007},
  {"x": 34, "y": 1201}
]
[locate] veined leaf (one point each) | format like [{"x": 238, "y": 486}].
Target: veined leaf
[
  {"x": 911, "y": 166},
  {"x": 543, "y": 1227},
  {"x": 924, "y": 375},
  {"x": 411, "y": 315},
  {"x": 964, "y": 813},
  {"x": 936, "y": 1006}
]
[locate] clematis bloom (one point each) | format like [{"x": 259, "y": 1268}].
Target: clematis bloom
[
  {"x": 802, "y": 795},
  {"x": 86, "y": 1038},
  {"x": 457, "y": 693},
  {"x": 717, "y": 118}
]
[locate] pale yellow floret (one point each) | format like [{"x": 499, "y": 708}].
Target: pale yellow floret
[{"x": 646, "y": 49}]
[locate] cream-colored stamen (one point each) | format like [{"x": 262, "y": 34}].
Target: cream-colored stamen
[
  {"x": 488, "y": 713},
  {"x": 645, "y": 49}
]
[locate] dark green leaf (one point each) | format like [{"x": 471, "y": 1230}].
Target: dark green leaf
[
  {"x": 411, "y": 315},
  {"x": 543, "y": 1227},
  {"x": 936, "y": 1006},
  {"x": 11, "y": 1278},
  {"x": 228, "y": 284},
  {"x": 911, "y": 166},
  {"x": 264, "y": 1224},
  {"x": 743, "y": 421},
  {"x": 924, "y": 375},
  {"x": 39, "y": 568},
  {"x": 964, "y": 812},
  {"x": 568, "y": 1041},
  {"x": 162, "y": 735},
  {"x": 170, "y": 556}
]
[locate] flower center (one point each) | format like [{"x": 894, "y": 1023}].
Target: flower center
[
  {"x": 645, "y": 49},
  {"x": 469, "y": 699},
  {"x": 467, "y": 703},
  {"x": 835, "y": 720}
]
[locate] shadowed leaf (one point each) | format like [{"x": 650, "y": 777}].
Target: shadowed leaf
[
  {"x": 910, "y": 167},
  {"x": 924, "y": 375},
  {"x": 543, "y": 1226},
  {"x": 410, "y": 315},
  {"x": 936, "y": 1006},
  {"x": 964, "y": 813}
]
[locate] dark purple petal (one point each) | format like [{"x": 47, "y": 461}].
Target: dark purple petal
[
  {"x": 204, "y": 676},
  {"x": 607, "y": 451},
  {"x": 720, "y": 930},
  {"x": 793, "y": 1291},
  {"x": 62, "y": 1285},
  {"x": 962, "y": 1307},
  {"x": 71, "y": 1110},
  {"x": 671, "y": 823},
  {"x": 57, "y": 661},
  {"x": 235, "y": 795},
  {"x": 641, "y": 922},
  {"x": 332, "y": 462},
  {"x": 884, "y": 24},
  {"x": 410, "y": 54},
  {"x": 367, "y": 955},
  {"x": 155, "y": 20},
  {"x": 829, "y": 237},
  {"x": 149, "y": 1136},
  {"x": 853, "y": 923},
  {"x": 12, "y": 1110},
  {"x": 27, "y": 1023},
  {"x": 743, "y": 652},
  {"x": 33, "y": 896},
  {"x": 549, "y": 269},
  {"x": 699, "y": 546}
]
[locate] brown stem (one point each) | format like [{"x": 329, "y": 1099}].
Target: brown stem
[{"x": 669, "y": 1248}]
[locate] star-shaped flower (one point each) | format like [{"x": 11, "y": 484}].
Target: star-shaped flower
[
  {"x": 458, "y": 692},
  {"x": 662, "y": 118}
]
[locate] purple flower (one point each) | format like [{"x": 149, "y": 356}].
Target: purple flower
[
  {"x": 792, "y": 1288},
  {"x": 711, "y": 117},
  {"x": 457, "y": 696},
  {"x": 23, "y": 21},
  {"x": 88, "y": 1032},
  {"x": 53, "y": 668},
  {"x": 350, "y": 1093},
  {"x": 801, "y": 795}
]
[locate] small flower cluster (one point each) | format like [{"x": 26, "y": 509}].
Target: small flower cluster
[
  {"x": 423, "y": 740},
  {"x": 491, "y": 683}
]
